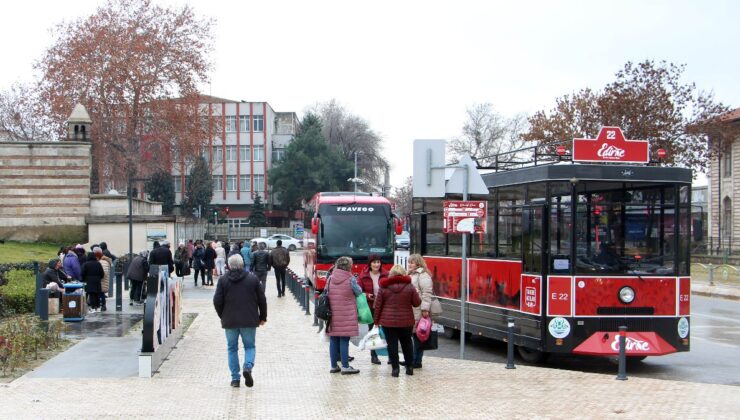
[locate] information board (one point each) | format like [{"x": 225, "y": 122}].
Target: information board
[{"x": 465, "y": 216}]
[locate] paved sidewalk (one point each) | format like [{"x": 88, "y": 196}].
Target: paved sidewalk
[{"x": 292, "y": 380}]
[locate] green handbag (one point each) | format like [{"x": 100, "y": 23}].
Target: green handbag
[{"x": 364, "y": 314}]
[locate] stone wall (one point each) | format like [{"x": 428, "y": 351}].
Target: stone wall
[{"x": 44, "y": 191}]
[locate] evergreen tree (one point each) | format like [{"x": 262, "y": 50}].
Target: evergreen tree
[
  {"x": 258, "y": 218},
  {"x": 198, "y": 187},
  {"x": 160, "y": 188},
  {"x": 310, "y": 165}
]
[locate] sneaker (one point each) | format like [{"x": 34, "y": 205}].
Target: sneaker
[
  {"x": 248, "y": 380},
  {"x": 235, "y": 383},
  {"x": 91, "y": 311},
  {"x": 350, "y": 359},
  {"x": 335, "y": 369},
  {"x": 349, "y": 370}
]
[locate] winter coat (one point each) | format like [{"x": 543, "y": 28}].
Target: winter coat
[
  {"x": 181, "y": 254},
  {"x": 107, "y": 264},
  {"x": 199, "y": 255},
  {"x": 366, "y": 282},
  {"x": 246, "y": 256},
  {"x": 138, "y": 269},
  {"x": 422, "y": 282},
  {"x": 220, "y": 252},
  {"x": 279, "y": 257},
  {"x": 52, "y": 275},
  {"x": 343, "y": 304},
  {"x": 239, "y": 300},
  {"x": 191, "y": 248},
  {"x": 72, "y": 266},
  {"x": 162, "y": 256},
  {"x": 261, "y": 261},
  {"x": 92, "y": 274},
  {"x": 209, "y": 258},
  {"x": 395, "y": 302}
]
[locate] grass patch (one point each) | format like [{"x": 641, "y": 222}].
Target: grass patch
[
  {"x": 20, "y": 252},
  {"x": 20, "y": 293}
]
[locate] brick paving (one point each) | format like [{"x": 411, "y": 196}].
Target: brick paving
[{"x": 292, "y": 380}]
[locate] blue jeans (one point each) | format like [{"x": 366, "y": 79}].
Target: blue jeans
[
  {"x": 418, "y": 352},
  {"x": 339, "y": 346},
  {"x": 232, "y": 345}
]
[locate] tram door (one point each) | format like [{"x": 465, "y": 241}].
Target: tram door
[{"x": 534, "y": 248}]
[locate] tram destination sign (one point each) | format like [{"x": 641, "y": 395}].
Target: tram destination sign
[
  {"x": 464, "y": 216},
  {"x": 610, "y": 146}
]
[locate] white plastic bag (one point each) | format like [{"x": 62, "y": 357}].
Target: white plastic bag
[
  {"x": 323, "y": 338},
  {"x": 362, "y": 328},
  {"x": 373, "y": 341}
]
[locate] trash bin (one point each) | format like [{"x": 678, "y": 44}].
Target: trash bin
[{"x": 73, "y": 302}]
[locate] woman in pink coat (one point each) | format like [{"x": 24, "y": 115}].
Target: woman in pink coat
[{"x": 343, "y": 289}]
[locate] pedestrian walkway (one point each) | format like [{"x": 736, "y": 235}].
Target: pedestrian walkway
[{"x": 292, "y": 380}]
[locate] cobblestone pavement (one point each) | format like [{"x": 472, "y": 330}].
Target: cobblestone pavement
[{"x": 292, "y": 380}]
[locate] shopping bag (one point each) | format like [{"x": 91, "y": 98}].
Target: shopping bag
[
  {"x": 423, "y": 328},
  {"x": 364, "y": 314},
  {"x": 383, "y": 351},
  {"x": 323, "y": 338},
  {"x": 435, "y": 308},
  {"x": 431, "y": 342},
  {"x": 373, "y": 340},
  {"x": 362, "y": 331}
]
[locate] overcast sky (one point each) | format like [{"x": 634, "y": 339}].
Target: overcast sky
[{"x": 410, "y": 68}]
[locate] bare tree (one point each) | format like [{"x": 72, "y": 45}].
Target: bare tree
[
  {"x": 487, "y": 133},
  {"x": 350, "y": 133},
  {"x": 23, "y": 117},
  {"x": 403, "y": 197}
]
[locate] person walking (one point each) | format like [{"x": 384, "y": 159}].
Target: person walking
[
  {"x": 234, "y": 251},
  {"x": 220, "y": 258},
  {"x": 107, "y": 264},
  {"x": 421, "y": 279},
  {"x": 279, "y": 260},
  {"x": 242, "y": 307},
  {"x": 369, "y": 280},
  {"x": 210, "y": 261},
  {"x": 246, "y": 252},
  {"x": 343, "y": 290},
  {"x": 394, "y": 312},
  {"x": 137, "y": 273},
  {"x": 261, "y": 263},
  {"x": 199, "y": 265},
  {"x": 191, "y": 249},
  {"x": 181, "y": 260},
  {"x": 92, "y": 275}
]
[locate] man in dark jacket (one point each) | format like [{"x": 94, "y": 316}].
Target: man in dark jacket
[
  {"x": 279, "y": 260},
  {"x": 261, "y": 264},
  {"x": 137, "y": 273},
  {"x": 106, "y": 251},
  {"x": 54, "y": 278},
  {"x": 162, "y": 256},
  {"x": 240, "y": 303}
]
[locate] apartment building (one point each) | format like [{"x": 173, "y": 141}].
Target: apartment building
[{"x": 249, "y": 137}]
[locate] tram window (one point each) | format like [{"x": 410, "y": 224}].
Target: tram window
[
  {"x": 560, "y": 234},
  {"x": 532, "y": 239},
  {"x": 509, "y": 196},
  {"x": 482, "y": 245},
  {"x": 510, "y": 232},
  {"x": 684, "y": 241}
]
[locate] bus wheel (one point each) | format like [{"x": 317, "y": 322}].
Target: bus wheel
[
  {"x": 531, "y": 355},
  {"x": 452, "y": 333}
]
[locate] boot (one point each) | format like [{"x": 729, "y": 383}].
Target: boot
[
  {"x": 409, "y": 370},
  {"x": 374, "y": 358}
]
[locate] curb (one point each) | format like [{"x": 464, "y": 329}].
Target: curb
[{"x": 722, "y": 294}]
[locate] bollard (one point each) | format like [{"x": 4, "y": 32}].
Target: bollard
[
  {"x": 622, "y": 375},
  {"x": 711, "y": 274},
  {"x": 119, "y": 292},
  {"x": 42, "y": 304},
  {"x": 307, "y": 296},
  {"x": 510, "y": 344},
  {"x": 315, "y": 318}
]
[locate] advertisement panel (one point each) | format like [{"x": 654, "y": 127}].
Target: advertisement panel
[
  {"x": 530, "y": 294},
  {"x": 464, "y": 216},
  {"x": 611, "y": 146}
]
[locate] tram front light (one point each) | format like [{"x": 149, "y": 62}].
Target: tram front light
[{"x": 626, "y": 294}]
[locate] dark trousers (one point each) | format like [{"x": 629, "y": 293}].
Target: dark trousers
[
  {"x": 280, "y": 277},
  {"x": 93, "y": 300},
  {"x": 178, "y": 269},
  {"x": 392, "y": 337},
  {"x": 418, "y": 352},
  {"x": 135, "y": 291},
  {"x": 209, "y": 274},
  {"x": 262, "y": 277},
  {"x": 102, "y": 300},
  {"x": 202, "y": 272}
]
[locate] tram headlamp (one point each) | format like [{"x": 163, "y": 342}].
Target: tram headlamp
[{"x": 626, "y": 294}]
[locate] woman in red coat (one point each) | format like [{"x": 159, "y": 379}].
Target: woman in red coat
[
  {"x": 394, "y": 311},
  {"x": 369, "y": 280}
]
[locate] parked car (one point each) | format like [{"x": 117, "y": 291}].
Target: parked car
[
  {"x": 402, "y": 240},
  {"x": 288, "y": 241}
]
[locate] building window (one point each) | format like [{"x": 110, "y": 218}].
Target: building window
[
  {"x": 258, "y": 122},
  {"x": 727, "y": 218},
  {"x": 244, "y": 153},
  {"x": 259, "y": 183},
  {"x": 278, "y": 155},
  {"x": 727, "y": 164},
  {"x": 244, "y": 182},
  {"x": 231, "y": 183},
  {"x": 259, "y": 153},
  {"x": 231, "y": 153},
  {"x": 243, "y": 123},
  {"x": 230, "y": 124},
  {"x": 217, "y": 154},
  {"x": 176, "y": 182},
  {"x": 218, "y": 183}
]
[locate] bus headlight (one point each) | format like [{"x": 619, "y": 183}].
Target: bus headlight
[{"x": 626, "y": 294}]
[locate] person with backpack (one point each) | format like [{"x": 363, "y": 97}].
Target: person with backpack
[
  {"x": 279, "y": 260},
  {"x": 261, "y": 264}
]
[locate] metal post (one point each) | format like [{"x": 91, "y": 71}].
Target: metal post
[
  {"x": 119, "y": 295},
  {"x": 130, "y": 220},
  {"x": 315, "y": 318},
  {"x": 510, "y": 344},
  {"x": 355, "y": 178},
  {"x": 464, "y": 279},
  {"x": 308, "y": 296},
  {"x": 711, "y": 274},
  {"x": 622, "y": 375}
]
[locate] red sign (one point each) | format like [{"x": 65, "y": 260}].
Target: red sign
[
  {"x": 530, "y": 294},
  {"x": 684, "y": 295},
  {"x": 610, "y": 146},
  {"x": 559, "y": 296},
  {"x": 465, "y": 216},
  {"x": 604, "y": 343}
]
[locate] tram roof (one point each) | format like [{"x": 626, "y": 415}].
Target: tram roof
[{"x": 588, "y": 172}]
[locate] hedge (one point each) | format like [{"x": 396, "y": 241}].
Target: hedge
[{"x": 20, "y": 293}]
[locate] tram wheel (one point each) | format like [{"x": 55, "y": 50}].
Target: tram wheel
[
  {"x": 451, "y": 333},
  {"x": 531, "y": 355}
]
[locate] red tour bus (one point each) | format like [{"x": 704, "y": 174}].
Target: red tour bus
[
  {"x": 352, "y": 224},
  {"x": 572, "y": 252}
]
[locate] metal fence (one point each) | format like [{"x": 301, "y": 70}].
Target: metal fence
[{"x": 209, "y": 231}]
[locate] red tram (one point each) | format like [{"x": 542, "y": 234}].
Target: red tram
[{"x": 571, "y": 252}]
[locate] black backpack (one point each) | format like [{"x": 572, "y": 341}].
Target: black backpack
[{"x": 323, "y": 309}]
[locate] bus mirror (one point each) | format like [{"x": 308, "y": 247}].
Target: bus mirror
[
  {"x": 399, "y": 226},
  {"x": 315, "y": 225}
]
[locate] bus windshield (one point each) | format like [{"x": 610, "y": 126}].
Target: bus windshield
[{"x": 355, "y": 230}]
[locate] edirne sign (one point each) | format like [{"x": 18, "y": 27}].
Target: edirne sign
[{"x": 610, "y": 146}]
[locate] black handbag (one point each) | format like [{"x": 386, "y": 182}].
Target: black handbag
[
  {"x": 323, "y": 309},
  {"x": 431, "y": 343}
]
